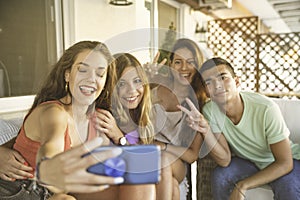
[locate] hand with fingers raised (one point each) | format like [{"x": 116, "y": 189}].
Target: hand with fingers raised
[
  {"x": 195, "y": 119},
  {"x": 152, "y": 68}
]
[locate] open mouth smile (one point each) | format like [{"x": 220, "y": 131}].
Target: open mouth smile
[
  {"x": 87, "y": 89},
  {"x": 131, "y": 99}
]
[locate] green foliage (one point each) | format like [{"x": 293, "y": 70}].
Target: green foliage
[{"x": 166, "y": 47}]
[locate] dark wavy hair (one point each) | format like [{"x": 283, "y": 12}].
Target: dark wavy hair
[
  {"x": 53, "y": 87},
  {"x": 216, "y": 61},
  {"x": 197, "y": 82}
]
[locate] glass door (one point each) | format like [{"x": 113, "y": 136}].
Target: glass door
[{"x": 28, "y": 45}]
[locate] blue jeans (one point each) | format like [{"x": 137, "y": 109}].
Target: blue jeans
[
  {"x": 22, "y": 190},
  {"x": 286, "y": 187}
]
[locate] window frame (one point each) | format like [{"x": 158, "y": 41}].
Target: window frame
[{"x": 17, "y": 106}]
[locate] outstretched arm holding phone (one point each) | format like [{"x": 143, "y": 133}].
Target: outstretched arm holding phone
[{"x": 67, "y": 170}]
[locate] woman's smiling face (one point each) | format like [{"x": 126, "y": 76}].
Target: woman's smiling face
[
  {"x": 184, "y": 65},
  {"x": 87, "y": 76},
  {"x": 130, "y": 88}
]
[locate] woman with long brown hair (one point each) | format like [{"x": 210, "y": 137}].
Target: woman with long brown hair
[
  {"x": 59, "y": 118},
  {"x": 181, "y": 143}
]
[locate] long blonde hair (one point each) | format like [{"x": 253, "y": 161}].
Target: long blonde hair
[{"x": 142, "y": 115}]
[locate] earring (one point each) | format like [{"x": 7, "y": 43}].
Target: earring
[{"x": 67, "y": 87}]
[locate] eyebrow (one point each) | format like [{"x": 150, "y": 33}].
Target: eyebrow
[
  {"x": 222, "y": 74},
  {"x": 185, "y": 59},
  {"x": 85, "y": 64},
  {"x": 134, "y": 78},
  {"x": 82, "y": 63},
  {"x": 219, "y": 75}
]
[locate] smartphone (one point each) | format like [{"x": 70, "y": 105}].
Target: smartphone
[{"x": 138, "y": 164}]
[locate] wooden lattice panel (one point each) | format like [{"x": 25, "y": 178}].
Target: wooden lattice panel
[
  {"x": 279, "y": 64},
  {"x": 235, "y": 41}
]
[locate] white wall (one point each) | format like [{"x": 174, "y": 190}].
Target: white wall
[{"x": 99, "y": 20}]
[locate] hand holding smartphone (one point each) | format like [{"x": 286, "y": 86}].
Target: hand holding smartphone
[{"x": 138, "y": 164}]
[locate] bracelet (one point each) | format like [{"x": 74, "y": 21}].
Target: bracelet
[
  {"x": 165, "y": 148},
  {"x": 235, "y": 185},
  {"x": 37, "y": 170}
]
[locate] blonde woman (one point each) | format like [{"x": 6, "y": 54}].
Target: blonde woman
[{"x": 130, "y": 122}]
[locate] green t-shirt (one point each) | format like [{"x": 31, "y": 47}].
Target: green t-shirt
[{"x": 261, "y": 125}]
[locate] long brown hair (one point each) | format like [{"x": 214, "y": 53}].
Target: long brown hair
[
  {"x": 143, "y": 113},
  {"x": 54, "y": 85},
  {"x": 197, "y": 82}
]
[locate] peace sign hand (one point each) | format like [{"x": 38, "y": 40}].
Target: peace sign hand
[
  {"x": 195, "y": 119},
  {"x": 152, "y": 68}
]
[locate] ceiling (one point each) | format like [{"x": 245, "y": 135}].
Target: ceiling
[
  {"x": 279, "y": 15},
  {"x": 289, "y": 11}
]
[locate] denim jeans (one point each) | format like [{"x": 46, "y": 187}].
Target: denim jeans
[
  {"x": 22, "y": 190},
  {"x": 286, "y": 187}
]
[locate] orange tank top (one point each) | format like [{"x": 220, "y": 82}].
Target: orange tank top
[{"x": 28, "y": 148}]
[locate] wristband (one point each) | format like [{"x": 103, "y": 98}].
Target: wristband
[
  {"x": 165, "y": 148},
  {"x": 235, "y": 185},
  {"x": 37, "y": 170}
]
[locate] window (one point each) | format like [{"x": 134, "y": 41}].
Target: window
[
  {"x": 168, "y": 15},
  {"x": 28, "y": 45}
]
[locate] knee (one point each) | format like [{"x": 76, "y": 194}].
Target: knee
[
  {"x": 166, "y": 172},
  {"x": 69, "y": 197},
  {"x": 287, "y": 183},
  {"x": 167, "y": 159},
  {"x": 62, "y": 197},
  {"x": 287, "y": 187},
  {"x": 222, "y": 178}
]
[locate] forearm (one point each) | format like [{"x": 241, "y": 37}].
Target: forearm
[
  {"x": 184, "y": 153},
  {"x": 218, "y": 148},
  {"x": 47, "y": 150},
  {"x": 267, "y": 175},
  {"x": 187, "y": 154}
]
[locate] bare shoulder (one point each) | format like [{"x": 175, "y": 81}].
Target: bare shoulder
[
  {"x": 43, "y": 117},
  {"x": 54, "y": 108},
  {"x": 52, "y": 113}
]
